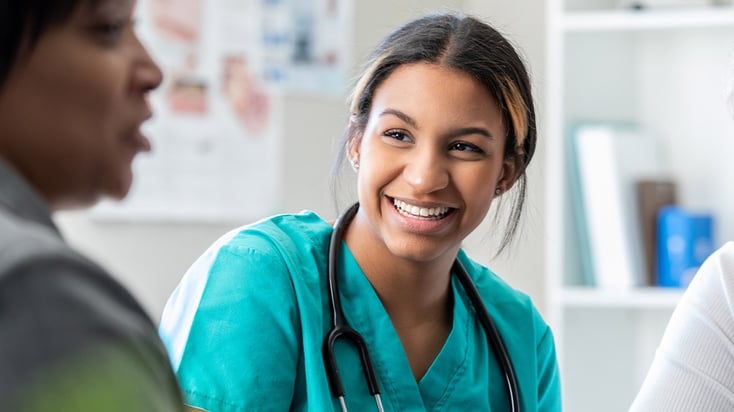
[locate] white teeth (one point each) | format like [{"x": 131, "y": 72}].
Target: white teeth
[{"x": 415, "y": 211}]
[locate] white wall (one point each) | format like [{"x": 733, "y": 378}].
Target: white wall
[
  {"x": 150, "y": 258},
  {"x": 522, "y": 265}
]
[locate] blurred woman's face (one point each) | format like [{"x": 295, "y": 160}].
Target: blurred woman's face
[{"x": 72, "y": 106}]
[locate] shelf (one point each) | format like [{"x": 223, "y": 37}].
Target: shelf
[
  {"x": 637, "y": 298},
  {"x": 632, "y": 20}
]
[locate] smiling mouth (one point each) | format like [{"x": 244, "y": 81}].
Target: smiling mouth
[{"x": 417, "y": 212}]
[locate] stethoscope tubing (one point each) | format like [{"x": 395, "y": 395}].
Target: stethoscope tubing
[
  {"x": 342, "y": 330},
  {"x": 493, "y": 336},
  {"x": 340, "y": 326}
]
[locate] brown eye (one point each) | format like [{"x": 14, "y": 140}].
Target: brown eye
[
  {"x": 465, "y": 147},
  {"x": 109, "y": 32},
  {"x": 397, "y": 135}
]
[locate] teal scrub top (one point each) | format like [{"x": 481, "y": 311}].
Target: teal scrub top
[{"x": 246, "y": 325}]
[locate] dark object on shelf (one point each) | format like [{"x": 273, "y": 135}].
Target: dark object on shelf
[{"x": 652, "y": 195}]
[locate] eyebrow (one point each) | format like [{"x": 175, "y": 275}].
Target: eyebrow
[
  {"x": 402, "y": 116},
  {"x": 463, "y": 131},
  {"x": 106, "y": 7}
]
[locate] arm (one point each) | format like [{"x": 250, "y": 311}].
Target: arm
[
  {"x": 231, "y": 327},
  {"x": 692, "y": 369},
  {"x": 549, "y": 383},
  {"x": 74, "y": 340}
]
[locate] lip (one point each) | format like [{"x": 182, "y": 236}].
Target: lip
[
  {"x": 417, "y": 225},
  {"x": 143, "y": 142}
]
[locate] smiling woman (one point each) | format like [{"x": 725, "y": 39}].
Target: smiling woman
[
  {"x": 442, "y": 123},
  {"x": 73, "y": 86}
]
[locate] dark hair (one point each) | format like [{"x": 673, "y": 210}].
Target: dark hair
[
  {"x": 473, "y": 47},
  {"x": 22, "y": 22}
]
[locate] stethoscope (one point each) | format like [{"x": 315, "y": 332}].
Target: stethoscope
[{"x": 341, "y": 328}]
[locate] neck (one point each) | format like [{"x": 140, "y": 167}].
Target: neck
[
  {"x": 416, "y": 296},
  {"x": 409, "y": 290}
]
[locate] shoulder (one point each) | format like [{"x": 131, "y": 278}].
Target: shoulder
[
  {"x": 254, "y": 269},
  {"x": 284, "y": 243},
  {"x": 269, "y": 247},
  {"x": 306, "y": 230},
  {"x": 713, "y": 284},
  {"x": 720, "y": 264},
  {"x": 22, "y": 240},
  {"x": 691, "y": 362},
  {"x": 508, "y": 306},
  {"x": 526, "y": 336},
  {"x": 40, "y": 274},
  {"x": 58, "y": 307},
  {"x": 258, "y": 277},
  {"x": 35, "y": 258},
  {"x": 493, "y": 288}
]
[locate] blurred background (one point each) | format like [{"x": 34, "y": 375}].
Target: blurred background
[
  {"x": 627, "y": 194},
  {"x": 151, "y": 239}
]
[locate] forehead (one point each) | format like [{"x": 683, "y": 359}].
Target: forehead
[
  {"x": 435, "y": 90},
  {"x": 105, "y": 7}
]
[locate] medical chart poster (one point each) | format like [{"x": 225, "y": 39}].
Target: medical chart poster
[{"x": 218, "y": 115}]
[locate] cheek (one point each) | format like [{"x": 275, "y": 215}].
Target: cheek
[
  {"x": 477, "y": 186},
  {"x": 379, "y": 168}
]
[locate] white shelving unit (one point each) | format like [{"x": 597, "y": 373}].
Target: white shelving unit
[{"x": 665, "y": 70}]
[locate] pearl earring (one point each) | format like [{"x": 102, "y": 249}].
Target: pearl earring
[
  {"x": 355, "y": 164},
  {"x": 497, "y": 191}
]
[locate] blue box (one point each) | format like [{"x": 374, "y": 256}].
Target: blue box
[{"x": 685, "y": 240}]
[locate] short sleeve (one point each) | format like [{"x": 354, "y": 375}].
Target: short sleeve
[
  {"x": 549, "y": 384},
  {"x": 233, "y": 321}
]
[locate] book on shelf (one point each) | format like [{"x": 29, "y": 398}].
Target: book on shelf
[
  {"x": 652, "y": 196},
  {"x": 608, "y": 161}
]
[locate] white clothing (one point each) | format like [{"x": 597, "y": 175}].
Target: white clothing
[{"x": 693, "y": 369}]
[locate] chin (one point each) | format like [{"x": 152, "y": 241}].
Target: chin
[
  {"x": 119, "y": 187},
  {"x": 415, "y": 252},
  {"x": 118, "y": 193}
]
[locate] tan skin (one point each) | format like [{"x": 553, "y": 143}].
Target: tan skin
[{"x": 434, "y": 140}]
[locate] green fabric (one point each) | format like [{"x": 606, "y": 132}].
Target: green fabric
[
  {"x": 103, "y": 379},
  {"x": 255, "y": 342}
]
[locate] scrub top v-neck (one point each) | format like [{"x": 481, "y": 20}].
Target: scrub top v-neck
[
  {"x": 451, "y": 372},
  {"x": 246, "y": 325}
]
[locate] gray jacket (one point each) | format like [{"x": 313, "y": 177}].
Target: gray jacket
[{"x": 71, "y": 337}]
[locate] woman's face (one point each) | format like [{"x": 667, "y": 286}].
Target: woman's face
[
  {"x": 72, "y": 107},
  {"x": 430, "y": 160}
]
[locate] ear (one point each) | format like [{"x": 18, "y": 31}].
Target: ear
[
  {"x": 508, "y": 174},
  {"x": 353, "y": 141}
]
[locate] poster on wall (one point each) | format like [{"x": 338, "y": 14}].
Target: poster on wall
[{"x": 218, "y": 115}]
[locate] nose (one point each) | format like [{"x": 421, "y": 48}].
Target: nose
[
  {"x": 147, "y": 75},
  {"x": 426, "y": 171}
]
